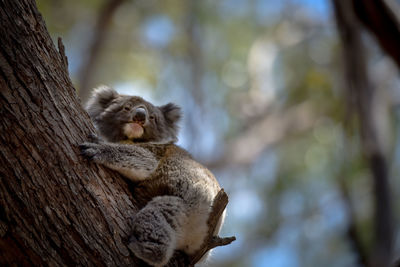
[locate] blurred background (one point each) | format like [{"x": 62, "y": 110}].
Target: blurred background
[{"x": 304, "y": 140}]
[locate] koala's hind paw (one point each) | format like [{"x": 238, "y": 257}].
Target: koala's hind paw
[{"x": 151, "y": 252}]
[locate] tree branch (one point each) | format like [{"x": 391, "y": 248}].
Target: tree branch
[
  {"x": 219, "y": 204},
  {"x": 180, "y": 259},
  {"x": 379, "y": 19},
  {"x": 351, "y": 232},
  {"x": 100, "y": 33},
  {"x": 56, "y": 209},
  {"x": 362, "y": 93},
  {"x": 61, "y": 50}
]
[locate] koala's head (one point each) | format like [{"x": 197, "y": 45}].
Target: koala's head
[{"x": 122, "y": 117}]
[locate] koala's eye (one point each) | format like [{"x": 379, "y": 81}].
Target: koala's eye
[
  {"x": 127, "y": 107},
  {"x": 151, "y": 117}
]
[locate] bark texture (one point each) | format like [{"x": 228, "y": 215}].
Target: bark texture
[{"x": 55, "y": 208}]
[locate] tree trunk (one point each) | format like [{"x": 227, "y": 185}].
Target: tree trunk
[
  {"x": 381, "y": 18},
  {"x": 55, "y": 208}
]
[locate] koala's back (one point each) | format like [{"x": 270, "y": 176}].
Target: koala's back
[{"x": 179, "y": 175}]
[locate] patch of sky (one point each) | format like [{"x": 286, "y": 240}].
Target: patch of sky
[
  {"x": 184, "y": 137},
  {"x": 174, "y": 90},
  {"x": 170, "y": 89},
  {"x": 264, "y": 169},
  {"x": 215, "y": 113},
  {"x": 205, "y": 134},
  {"x": 203, "y": 122},
  {"x": 314, "y": 228},
  {"x": 245, "y": 205},
  {"x": 291, "y": 203},
  {"x": 76, "y": 46},
  {"x": 269, "y": 11},
  {"x": 158, "y": 31},
  {"x": 239, "y": 176},
  {"x": 212, "y": 86},
  {"x": 232, "y": 179},
  {"x": 333, "y": 210},
  {"x": 218, "y": 120},
  {"x": 276, "y": 255},
  {"x": 320, "y": 6},
  {"x": 289, "y": 233},
  {"x": 315, "y": 184}
]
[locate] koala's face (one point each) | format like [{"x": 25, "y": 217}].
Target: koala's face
[{"x": 122, "y": 117}]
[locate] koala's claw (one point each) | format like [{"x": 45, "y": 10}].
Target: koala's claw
[
  {"x": 93, "y": 138},
  {"x": 88, "y": 150},
  {"x": 132, "y": 245},
  {"x": 145, "y": 253}
]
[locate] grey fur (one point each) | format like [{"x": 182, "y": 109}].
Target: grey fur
[
  {"x": 115, "y": 157},
  {"x": 174, "y": 192},
  {"x": 106, "y": 108}
]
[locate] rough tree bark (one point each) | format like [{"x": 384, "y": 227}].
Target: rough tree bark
[{"x": 55, "y": 208}]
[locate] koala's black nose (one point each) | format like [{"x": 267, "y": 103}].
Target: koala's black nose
[{"x": 139, "y": 115}]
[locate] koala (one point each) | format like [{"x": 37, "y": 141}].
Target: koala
[{"x": 173, "y": 191}]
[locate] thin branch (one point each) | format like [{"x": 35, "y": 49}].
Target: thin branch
[
  {"x": 180, "y": 259},
  {"x": 61, "y": 50},
  {"x": 219, "y": 204},
  {"x": 351, "y": 232}
]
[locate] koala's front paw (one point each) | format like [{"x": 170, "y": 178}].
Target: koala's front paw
[{"x": 90, "y": 151}]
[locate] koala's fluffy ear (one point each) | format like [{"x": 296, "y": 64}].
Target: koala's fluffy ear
[
  {"x": 100, "y": 100},
  {"x": 103, "y": 95},
  {"x": 172, "y": 113}
]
